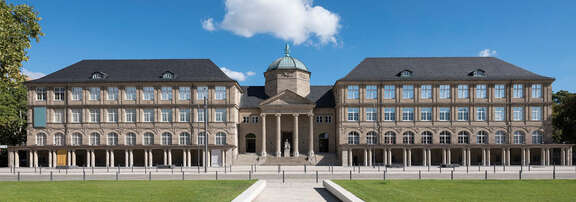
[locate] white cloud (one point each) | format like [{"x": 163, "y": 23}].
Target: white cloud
[
  {"x": 208, "y": 24},
  {"x": 487, "y": 53},
  {"x": 32, "y": 75},
  {"x": 238, "y": 76},
  {"x": 290, "y": 20}
]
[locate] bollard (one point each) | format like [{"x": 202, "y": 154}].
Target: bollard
[
  {"x": 304, "y": 168},
  {"x": 278, "y": 168},
  {"x": 451, "y": 175},
  {"x": 40, "y": 170},
  {"x": 466, "y": 169},
  {"x": 520, "y": 175},
  {"x": 249, "y": 175},
  {"x": 359, "y": 169},
  {"x": 428, "y": 168},
  {"x": 554, "y": 173},
  {"x": 182, "y": 175},
  {"x": 255, "y": 168},
  {"x": 332, "y": 170},
  {"x": 198, "y": 169},
  {"x": 92, "y": 170},
  {"x": 149, "y": 176},
  {"x": 529, "y": 168},
  {"x": 117, "y": 176},
  {"x": 118, "y": 168},
  {"x": 66, "y": 170},
  {"x": 419, "y": 175},
  {"x": 350, "y": 175},
  {"x": 316, "y": 176},
  {"x": 378, "y": 168},
  {"x": 51, "y": 176},
  {"x": 107, "y": 169},
  {"x": 503, "y": 168},
  {"x": 19, "y": 176},
  {"x": 83, "y": 175},
  {"x": 478, "y": 168},
  {"x": 216, "y": 175},
  {"x": 132, "y": 168},
  {"x": 485, "y": 174},
  {"x": 403, "y": 168},
  {"x": 283, "y": 177},
  {"x": 440, "y": 169},
  {"x": 384, "y": 176},
  {"x": 172, "y": 170},
  {"x": 494, "y": 168}
]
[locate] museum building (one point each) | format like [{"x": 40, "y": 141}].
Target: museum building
[{"x": 404, "y": 111}]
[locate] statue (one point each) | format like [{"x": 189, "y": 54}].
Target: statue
[{"x": 286, "y": 148}]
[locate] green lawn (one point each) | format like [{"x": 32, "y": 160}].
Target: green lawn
[
  {"x": 222, "y": 190},
  {"x": 462, "y": 190}
]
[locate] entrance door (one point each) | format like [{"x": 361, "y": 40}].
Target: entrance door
[
  {"x": 61, "y": 157},
  {"x": 216, "y": 157},
  {"x": 251, "y": 143},
  {"x": 287, "y": 137},
  {"x": 323, "y": 144}
]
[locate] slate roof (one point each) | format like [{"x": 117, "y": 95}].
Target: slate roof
[
  {"x": 253, "y": 95},
  {"x": 438, "y": 68},
  {"x": 138, "y": 70}
]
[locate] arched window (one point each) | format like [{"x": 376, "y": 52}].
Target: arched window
[
  {"x": 372, "y": 138},
  {"x": 94, "y": 139},
  {"x": 482, "y": 137},
  {"x": 201, "y": 138},
  {"x": 463, "y": 137},
  {"x": 408, "y": 137},
  {"x": 184, "y": 138},
  {"x": 426, "y": 137},
  {"x": 537, "y": 137},
  {"x": 353, "y": 138},
  {"x": 41, "y": 139},
  {"x": 76, "y": 139},
  {"x": 500, "y": 137},
  {"x": 519, "y": 137},
  {"x": 130, "y": 139},
  {"x": 59, "y": 139},
  {"x": 112, "y": 138},
  {"x": 390, "y": 137},
  {"x": 445, "y": 137},
  {"x": 166, "y": 138},
  {"x": 168, "y": 75},
  {"x": 148, "y": 138},
  {"x": 220, "y": 138}
]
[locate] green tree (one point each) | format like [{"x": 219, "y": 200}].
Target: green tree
[
  {"x": 564, "y": 117},
  {"x": 18, "y": 28}
]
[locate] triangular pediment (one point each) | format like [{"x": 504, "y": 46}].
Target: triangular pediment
[{"x": 287, "y": 97}]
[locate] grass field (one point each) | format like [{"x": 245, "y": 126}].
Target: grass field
[
  {"x": 212, "y": 191},
  {"x": 462, "y": 190}
]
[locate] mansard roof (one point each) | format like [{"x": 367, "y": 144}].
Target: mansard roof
[
  {"x": 322, "y": 96},
  {"x": 183, "y": 70},
  {"x": 438, "y": 68}
]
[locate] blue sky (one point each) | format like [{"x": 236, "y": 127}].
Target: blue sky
[{"x": 536, "y": 35}]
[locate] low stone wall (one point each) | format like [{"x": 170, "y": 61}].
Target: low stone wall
[
  {"x": 340, "y": 193},
  {"x": 252, "y": 192}
]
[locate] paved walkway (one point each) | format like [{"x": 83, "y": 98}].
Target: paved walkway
[{"x": 275, "y": 191}]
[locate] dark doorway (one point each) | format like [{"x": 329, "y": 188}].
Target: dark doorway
[
  {"x": 287, "y": 137},
  {"x": 251, "y": 143},
  {"x": 323, "y": 143}
]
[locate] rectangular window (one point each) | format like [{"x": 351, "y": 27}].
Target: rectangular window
[
  {"x": 389, "y": 92},
  {"x": 353, "y": 114},
  {"x": 328, "y": 119},
  {"x": 59, "y": 94},
  {"x": 536, "y": 90},
  {"x": 389, "y": 114},
  {"x": 148, "y": 115},
  {"x": 112, "y": 115},
  {"x": 94, "y": 115},
  {"x": 246, "y": 119},
  {"x": 201, "y": 92},
  {"x": 371, "y": 114},
  {"x": 462, "y": 91},
  {"x": 255, "y": 119},
  {"x": 112, "y": 93},
  {"x": 517, "y": 91},
  {"x": 130, "y": 115},
  {"x": 94, "y": 94},
  {"x": 426, "y": 91},
  {"x": 407, "y": 92},
  {"x": 166, "y": 115},
  {"x": 166, "y": 93},
  {"x": 407, "y": 114},
  {"x": 536, "y": 113},
  {"x": 130, "y": 93},
  {"x": 426, "y": 114},
  {"x": 499, "y": 114},
  {"x": 200, "y": 114},
  {"x": 148, "y": 93},
  {"x": 318, "y": 119},
  {"x": 352, "y": 92},
  {"x": 184, "y": 115},
  {"x": 76, "y": 116},
  {"x": 41, "y": 94},
  {"x": 499, "y": 91},
  {"x": 220, "y": 93},
  {"x": 481, "y": 91},
  {"x": 444, "y": 91},
  {"x": 58, "y": 116},
  {"x": 517, "y": 113},
  {"x": 184, "y": 93},
  {"x": 371, "y": 92},
  {"x": 481, "y": 113},
  {"x": 463, "y": 113},
  {"x": 444, "y": 114},
  {"x": 220, "y": 115},
  {"x": 76, "y": 93}
]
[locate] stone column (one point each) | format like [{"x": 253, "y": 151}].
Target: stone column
[
  {"x": 296, "y": 152},
  {"x": 369, "y": 157},
  {"x": 508, "y": 156},
  {"x": 131, "y": 158},
  {"x": 528, "y": 157},
  {"x": 263, "y": 148},
  {"x": 424, "y": 156},
  {"x": 112, "y": 158},
  {"x": 444, "y": 156},
  {"x": 483, "y": 156},
  {"x": 311, "y": 135},
  {"x": 126, "y": 158},
  {"x": 169, "y": 157},
  {"x": 11, "y": 159},
  {"x": 74, "y": 157},
  {"x": 189, "y": 157},
  {"x": 389, "y": 156},
  {"x": 146, "y": 158},
  {"x": 30, "y": 159},
  {"x": 464, "y": 161},
  {"x": 365, "y": 157},
  {"x": 429, "y": 151},
  {"x": 278, "y": 135},
  {"x": 184, "y": 158},
  {"x": 488, "y": 156},
  {"x": 385, "y": 156},
  {"x": 16, "y": 159},
  {"x": 404, "y": 156},
  {"x": 523, "y": 157},
  {"x": 503, "y": 156},
  {"x": 449, "y": 156},
  {"x": 409, "y": 157},
  {"x": 107, "y": 158},
  {"x": 68, "y": 158},
  {"x": 344, "y": 157},
  {"x": 50, "y": 159},
  {"x": 563, "y": 156},
  {"x": 350, "y": 156},
  {"x": 151, "y": 158},
  {"x": 469, "y": 157},
  {"x": 93, "y": 156},
  {"x": 35, "y": 158}
]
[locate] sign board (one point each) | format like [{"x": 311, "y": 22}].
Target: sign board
[{"x": 3, "y": 146}]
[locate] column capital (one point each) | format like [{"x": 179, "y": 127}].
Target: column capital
[
  {"x": 277, "y": 114},
  {"x": 310, "y": 114},
  {"x": 295, "y": 115},
  {"x": 263, "y": 115}
]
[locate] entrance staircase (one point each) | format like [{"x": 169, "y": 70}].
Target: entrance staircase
[
  {"x": 248, "y": 159},
  {"x": 286, "y": 161}
]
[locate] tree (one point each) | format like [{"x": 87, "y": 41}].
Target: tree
[
  {"x": 564, "y": 117},
  {"x": 18, "y": 27}
]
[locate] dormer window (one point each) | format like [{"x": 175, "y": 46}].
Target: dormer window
[
  {"x": 478, "y": 73},
  {"x": 97, "y": 75},
  {"x": 168, "y": 75},
  {"x": 405, "y": 74}
]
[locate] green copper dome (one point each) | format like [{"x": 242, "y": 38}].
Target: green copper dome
[{"x": 287, "y": 62}]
